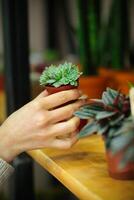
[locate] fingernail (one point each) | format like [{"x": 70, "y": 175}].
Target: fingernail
[{"x": 84, "y": 97}]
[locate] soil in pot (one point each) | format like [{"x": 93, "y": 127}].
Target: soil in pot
[{"x": 126, "y": 173}]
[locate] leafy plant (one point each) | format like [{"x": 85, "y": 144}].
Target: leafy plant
[
  {"x": 63, "y": 74},
  {"x": 111, "y": 117}
]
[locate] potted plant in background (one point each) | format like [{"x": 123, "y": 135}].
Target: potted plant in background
[
  {"x": 59, "y": 78},
  {"x": 88, "y": 29},
  {"x": 114, "y": 46},
  {"x": 111, "y": 118}
]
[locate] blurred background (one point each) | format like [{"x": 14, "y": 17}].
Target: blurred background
[{"x": 97, "y": 35}]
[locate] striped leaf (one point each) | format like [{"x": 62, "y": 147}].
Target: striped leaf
[
  {"x": 89, "y": 129},
  {"x": 83, "y": 115},
  {"x": 104, "y": 114}
]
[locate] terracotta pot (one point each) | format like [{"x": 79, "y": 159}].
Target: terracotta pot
[
  {"x": 52, "y": 90},
  {"x": 127, "y": 173},
  {"x": 109, "y": 74},
  {"x": 122, "y": 79},
  {"x": 93, "y": 86}
]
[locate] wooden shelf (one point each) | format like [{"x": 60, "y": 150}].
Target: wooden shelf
[{"x": 83, "y": 170}]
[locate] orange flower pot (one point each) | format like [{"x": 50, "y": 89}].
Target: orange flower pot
[
  {"x": 122, "y": 79},
  {"x": 127, "y": 173},
  {"x": 109, "y": 74},
  {"x": 93, "y": 86}
]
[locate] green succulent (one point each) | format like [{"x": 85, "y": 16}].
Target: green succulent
[
  {"x": 111, "y": 117},
  {"x": 63, "y": 74}
]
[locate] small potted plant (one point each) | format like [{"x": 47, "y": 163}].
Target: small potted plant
[
  {"x": 62, "y": 77},
  {"x": 111, "y": 118},
  {"x": 59, "y": 78}
]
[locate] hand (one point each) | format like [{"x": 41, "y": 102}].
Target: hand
[{"x": 39, "y": 123}]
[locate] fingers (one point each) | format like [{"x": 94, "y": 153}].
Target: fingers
[
  {"x": 63, "y": 128},
  {"x": 64, "y": 143},
  {"x": 65, "y": 112},
  {"x": 60, "y": 98}
]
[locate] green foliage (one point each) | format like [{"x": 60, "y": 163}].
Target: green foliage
[
  {"x": 103, "y": 42},
  {"x": 51, "y": 55},
  {"x": 88, "y": 25},
  {"x": 114, "y": 35},
  {"x": 63, "y": 74},
  {"x": 111, "y": 117},
  {"x": 83, "y": 36}
]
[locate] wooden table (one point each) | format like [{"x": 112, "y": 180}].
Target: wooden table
[
  {"x": 2, "y": 106},
  {"x": 83, "y": 170}
]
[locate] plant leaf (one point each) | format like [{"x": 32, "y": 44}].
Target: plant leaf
[
  {"x": 113, "y": 93},
  {"x": 83, "y": 115},
  {"x": 102, "y": 129},
  {"x": 104, "y": 114},
  {"x": 89, "y": 129},
  {"x": 117, "y": 120}
]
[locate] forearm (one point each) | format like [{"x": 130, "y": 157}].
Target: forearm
[
  {"x": 7, "y": 144},
  {"x": 5, "y": 171}
]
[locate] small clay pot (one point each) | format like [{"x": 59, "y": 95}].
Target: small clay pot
[
  {"x": 127, "y": 173},
  {"x": 52, "y": 90}
]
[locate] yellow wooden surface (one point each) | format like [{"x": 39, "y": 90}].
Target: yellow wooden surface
[
  {"x": 2, "y": 107},
  {"x": 83, "y": 170}
]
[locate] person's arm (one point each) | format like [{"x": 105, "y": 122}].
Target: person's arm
[
  {"x": 5, "y": 171},
  {"x": 39, "y": 124}
]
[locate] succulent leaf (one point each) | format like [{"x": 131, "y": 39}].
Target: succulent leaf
[{"x": 62, "y": 74}]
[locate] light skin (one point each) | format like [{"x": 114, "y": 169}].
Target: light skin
[{"x": 40, "y": 123}]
